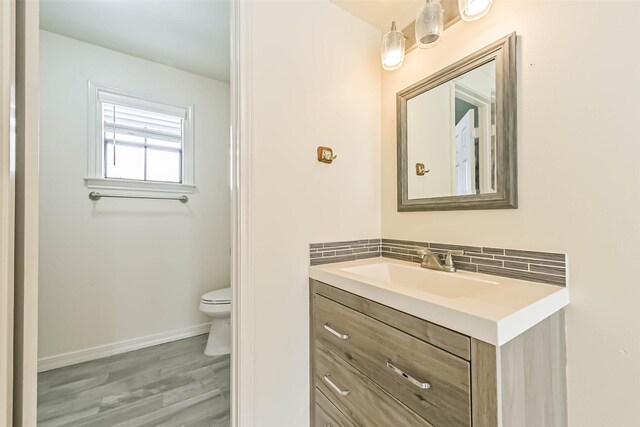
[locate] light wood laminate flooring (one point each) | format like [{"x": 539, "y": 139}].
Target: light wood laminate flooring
[{"x": 171, "y": 384}]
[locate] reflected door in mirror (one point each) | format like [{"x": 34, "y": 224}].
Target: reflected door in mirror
[{"x": 451, "y": 130}]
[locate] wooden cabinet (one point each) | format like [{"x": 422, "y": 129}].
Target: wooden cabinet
[
  {"x": 372, "y": 365},
  {"x": 326, "y": 414},
  {"x": 357, "y": 396},
  {"x": 437, "y": 384}
]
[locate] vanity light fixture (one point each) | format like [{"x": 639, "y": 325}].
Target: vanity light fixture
[
  {"x": 392, "y": 52},
  {"x": 429, "y": 24},
  {"x": 472, "y": 10}
]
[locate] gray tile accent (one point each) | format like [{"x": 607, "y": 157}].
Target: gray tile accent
[
  {"x": 532, "y": 254},
  {"x": 330, "y": 252},
  {"x": 487, "y": 261},
  {"x": 400, "y": 250},
  {"x": 344, "y": 252},
  {"x": 347, "y": 243},
  {"x": 531, "y": 261},
  {"x": 360, "y": 250},
  {"x": 448, "y": 247},
  {"x": 477, "y": 255},
  {"x": 543, "y": 267},
  {"x": 467, "y": 266},
  {"x": 330, "y": 260},
  {"x": 547, "y": 269},
  {"x": 399, "y": 242},
  {"x": 493, "y": 251},
  {"x": 458, "y": 258},
  {"x": 368, "y": 255},
  {"x": 516, "y": 265}
]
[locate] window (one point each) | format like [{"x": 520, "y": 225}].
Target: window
[{"x": 138, "y": 144}]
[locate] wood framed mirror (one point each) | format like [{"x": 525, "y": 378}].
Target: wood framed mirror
[{"x": 456, "y": 135}]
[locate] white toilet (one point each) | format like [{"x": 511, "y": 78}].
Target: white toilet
[{"x": 217, "y": 305}]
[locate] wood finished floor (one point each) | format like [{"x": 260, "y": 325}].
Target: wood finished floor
[{"x": 171, "y": 385}]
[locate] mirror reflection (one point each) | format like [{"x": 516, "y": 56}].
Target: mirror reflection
[{"x": 451, "y": 137}]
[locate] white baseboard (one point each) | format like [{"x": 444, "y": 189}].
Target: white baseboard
[{"x": 66, "y": 359}]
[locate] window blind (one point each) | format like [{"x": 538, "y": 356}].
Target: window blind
[{"x": 121, "y": 119}]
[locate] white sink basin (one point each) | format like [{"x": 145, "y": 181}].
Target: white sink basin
[
  {"x": 447, "y": 285},
  {"x": 492, "y": 309}
]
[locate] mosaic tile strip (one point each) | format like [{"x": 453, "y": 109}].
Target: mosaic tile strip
[
  {"x": 543, "y": 267},
  {"x": 325, "y": 253}
]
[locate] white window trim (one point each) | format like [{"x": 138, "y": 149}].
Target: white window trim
[{"x": 95, "y": 176}]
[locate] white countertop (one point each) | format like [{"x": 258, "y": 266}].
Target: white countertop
[{"x": 490, "y": 308}]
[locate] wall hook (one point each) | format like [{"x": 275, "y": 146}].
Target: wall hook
[
  {"x": 325, "y": 155},
  {"x": 421, "y": 170}
]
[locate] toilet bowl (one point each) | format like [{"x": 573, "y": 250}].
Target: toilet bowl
[{"x": 217, "y": 306}]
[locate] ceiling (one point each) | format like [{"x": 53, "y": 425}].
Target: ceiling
[
  {"x": 380, "y": 13},
  {"x": 192, "y": 35}
]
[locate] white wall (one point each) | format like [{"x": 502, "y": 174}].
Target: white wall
[
  {"x": 122, "y": 269},
  {"x": 578, "y": 179},
  {"x": 316, "y": 81}
]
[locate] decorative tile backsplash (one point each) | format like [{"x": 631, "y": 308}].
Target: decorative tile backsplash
[
  {"x": 325, "y": 253},
  {"x": 543, "y": 267}
]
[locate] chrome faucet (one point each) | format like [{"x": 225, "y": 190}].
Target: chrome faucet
[{"x": 431, "y": 260}]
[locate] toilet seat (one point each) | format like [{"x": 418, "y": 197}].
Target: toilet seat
[{"x": 218, "y": 297}]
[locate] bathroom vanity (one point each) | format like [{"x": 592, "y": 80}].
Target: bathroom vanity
[{"x": 393, "y": 344}]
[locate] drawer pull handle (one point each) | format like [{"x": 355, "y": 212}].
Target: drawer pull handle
[
  {"x": 335, "y": 387},
  {"x": 334, "y": 332},
  {"x": 408, "y": 377}
]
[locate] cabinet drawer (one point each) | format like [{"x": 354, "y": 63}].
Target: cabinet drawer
[
  {"x": 357, "y": 396},
  {"x": 446, "y": 339},
  {"x": 433, "y": 383},
  {"x": 326, "y": 414}
]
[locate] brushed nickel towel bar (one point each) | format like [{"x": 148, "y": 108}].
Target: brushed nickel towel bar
[{"x": 94, "y": 195}]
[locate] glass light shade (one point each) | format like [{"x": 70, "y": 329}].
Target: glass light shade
[
  {"x": 429, "y": 24},
  {"x": 472, "y": 10},
  {"x": 392, "y": 52}
]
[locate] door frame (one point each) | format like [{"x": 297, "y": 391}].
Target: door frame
[
  {"x": 26, "y": 328},
  {"x": 25, "y": 351},
  {"x": 7, "y": 206},
  {"x": 242, "y": 302}
]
